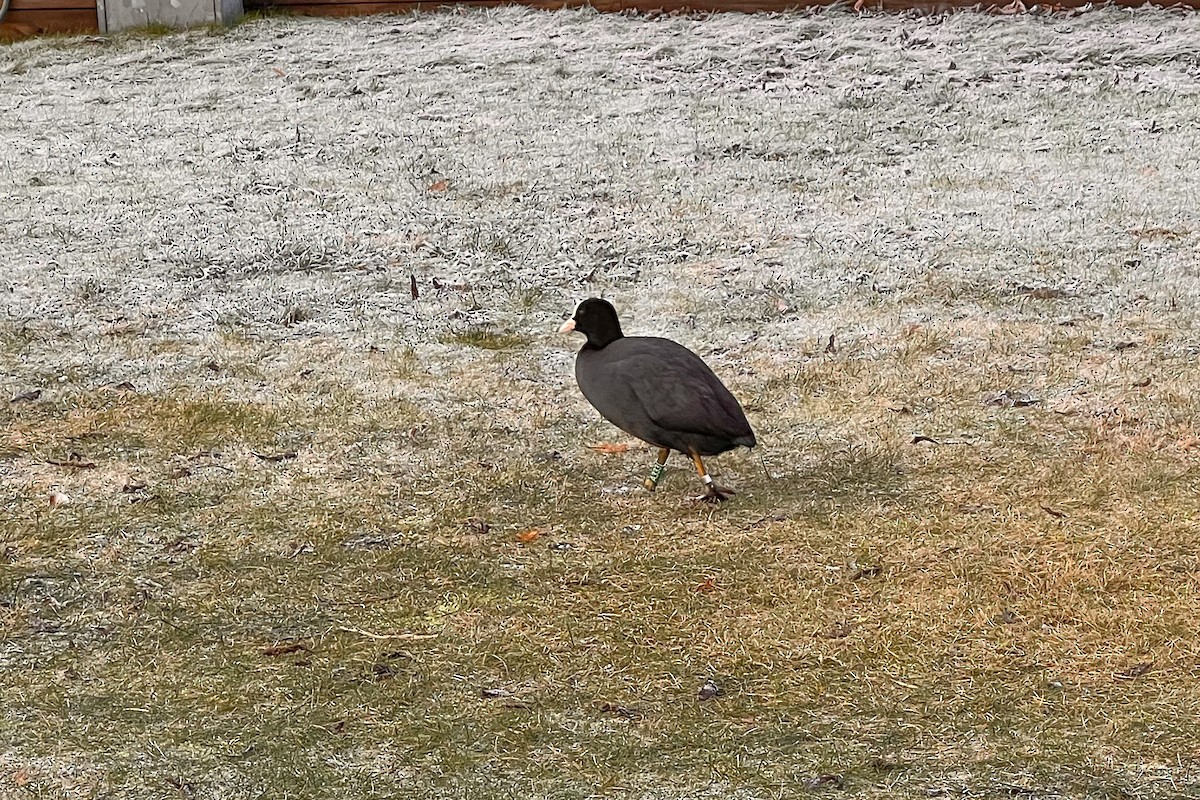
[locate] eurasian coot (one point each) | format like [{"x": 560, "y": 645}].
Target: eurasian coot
[{"x": 658, "y": 391}]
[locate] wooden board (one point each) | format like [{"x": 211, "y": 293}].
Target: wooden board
[
  {"x": 49, "y": 5},
  {"x": 51, "y": 16}
]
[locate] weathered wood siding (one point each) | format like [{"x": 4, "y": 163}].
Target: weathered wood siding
[{"x": 35, "y": 17}]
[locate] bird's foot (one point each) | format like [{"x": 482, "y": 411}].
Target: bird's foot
[{"x": 714, "y": 494}]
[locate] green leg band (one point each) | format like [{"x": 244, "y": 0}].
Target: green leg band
[{"x": 656, "y": 472}]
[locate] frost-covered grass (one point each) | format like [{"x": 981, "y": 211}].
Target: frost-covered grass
[{"x": 321, "y": 538}]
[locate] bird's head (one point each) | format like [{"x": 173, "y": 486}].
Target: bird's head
[{"x": 597, "y": 320}]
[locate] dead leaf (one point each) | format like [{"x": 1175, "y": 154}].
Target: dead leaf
[
  {"x": 838, "y": 630},
  {"x": 531, "y": 535},
  {"x": 439, "y": 185},
  {"x": 1007, "y": 617},
  {"x": 21, "y": 777},
  {"x": 1011, "y": 399},
  {"x": 279, "y": 72},
  {"x": 286, "y": 648},
  {"x": 610, "y": 448},
  {"x": 27, "y": 397},
  {"x": 412, "y": 287},
  {"x": 706, "y": 586},
  {"x": 619, "y": 710},
  {"x": 285, "y": 456},
  {"x": 73, "y": 460},
  {"x": 1141, "y": 383},
  {"x": 920, "y": 438},
  {"x": 858, "y": 573},
  {"x": 182, "y": 544},
  {"x": 1054, "y": 512},
  {"x": 477, "y": 525},
  {"x": 494, "y": 692},
  {"x": 821, "y": 781},
  {"x": 708, "y": 691},
  {"x": 1136, "y": 671},
  {"x": 59, "y": 499}
]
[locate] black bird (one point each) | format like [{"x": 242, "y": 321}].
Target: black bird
[{"x": 658, "y": 391}]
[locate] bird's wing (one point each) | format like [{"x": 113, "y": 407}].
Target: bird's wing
[{"x": 682, "y": 394}]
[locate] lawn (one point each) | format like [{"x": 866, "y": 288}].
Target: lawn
[{"x": 298, "y": 492}]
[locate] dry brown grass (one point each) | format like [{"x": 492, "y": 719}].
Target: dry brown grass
[{"x": 1008, "y": 608}]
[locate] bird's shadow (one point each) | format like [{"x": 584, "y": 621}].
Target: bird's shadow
[{"x": 778, "y": 482}]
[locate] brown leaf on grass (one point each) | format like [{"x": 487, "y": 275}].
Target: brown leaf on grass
[
  {"x": 1011, "y": 399},
  {"x": 73, "y": 460},
  {"x": 284, "y": 456},
  {"x": 182, "y": 544},
  {"x": 286, "y": 648},
  {"x": 439, "y": 185},
  {"x": 619, "y": 710},
  {"x": 867, "y": 571},
  {"x": 27, "y": 397},
  {"x": 822, "y": 781},
  {"x": 706, "y": 586},
  {"x": 477, "y": 525},
  {"x": 921, "y": 438},
  {"x": 1054, "y": 512},
  {"x": 838, "y": 630},
  {"x": 59, "y": 499},
  {"x": 531, "y": 535},
  {"x": 279, "y": 72},
  {"x": 1134, "y": 672},
  {"x": 412, "y": 287},
  {"x": 609, "y": 448},
  {"x": 494, "y": 692},
  {"x": 21, "y": 777}
]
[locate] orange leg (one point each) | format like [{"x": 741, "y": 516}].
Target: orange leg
[
  {"x": 658, "y": 469},
  {"x": 712, "y": 493}
]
